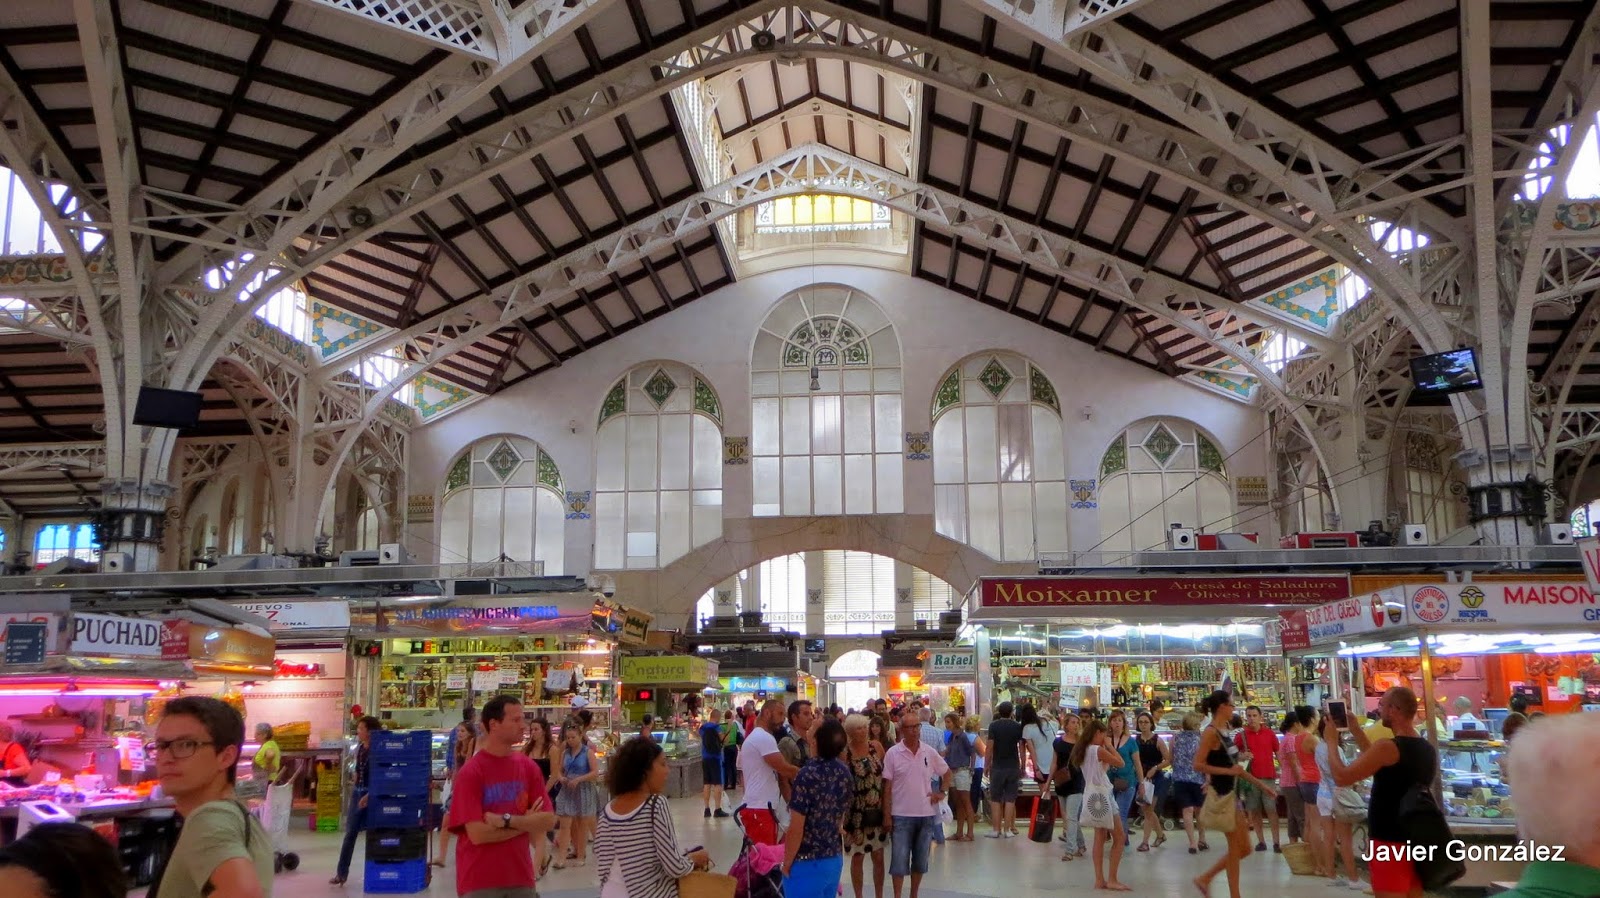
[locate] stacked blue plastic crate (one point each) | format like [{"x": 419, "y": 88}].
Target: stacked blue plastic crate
[{"x": 397, "y": 805}]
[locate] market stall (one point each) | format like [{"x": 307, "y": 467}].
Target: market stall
[
  {"x": 82, "y": 693},
  {"x": 661, "y": 685},
  {"x": 951, "y": 675},
  {"x": 1480, "y": 641},
  {"x": 1123, "y": 642}
]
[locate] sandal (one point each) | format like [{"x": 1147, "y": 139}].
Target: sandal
[
  {"x": 439, "y": 863},
  {"x": 1161, "y": 840},
  {"x": 1204, "y": 846},
  {"x": 1143, "y": 848}
]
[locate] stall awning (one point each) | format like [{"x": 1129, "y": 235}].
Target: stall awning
[
  {"x": 506, "y": 615},
  {"x": 670, "y": 671},
  {"x": 1439, "y": 607}
]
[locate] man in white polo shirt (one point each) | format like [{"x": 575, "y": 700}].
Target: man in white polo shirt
[
  {"x": 763, "y": 764},
  {"x": 910, "y": 770}
]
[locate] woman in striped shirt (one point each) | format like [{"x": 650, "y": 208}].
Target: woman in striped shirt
[{"x": 637, "y": 825}]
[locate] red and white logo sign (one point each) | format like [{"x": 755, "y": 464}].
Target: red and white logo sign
[{"x": 1430, "y": 604}]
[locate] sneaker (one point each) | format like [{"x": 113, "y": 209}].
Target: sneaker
[
  {"x": 1339, "y": 882},
  {"x": 1261, "y": 846},
  {"x": 1356, "y": 885},
  {"x": 708, "y": 813},
  {"x": 720, "y": 813},
  {"x": 1276, "y": 848}
]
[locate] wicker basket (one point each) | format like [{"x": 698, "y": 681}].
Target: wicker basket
[{"x": 1300, "y": 859}]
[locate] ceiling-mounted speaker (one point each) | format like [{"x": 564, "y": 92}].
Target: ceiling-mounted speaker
[
  {"x": 1237, "y": 185},
  {"x": 763, "y": 41},
  {"x": 360, "y": 217}
]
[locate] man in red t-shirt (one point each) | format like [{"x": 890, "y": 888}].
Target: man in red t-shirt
[
  {"x": 1261, "y": 743},
  {"x": 499, "y": 802}
]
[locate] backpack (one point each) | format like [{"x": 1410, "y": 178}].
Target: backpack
[{"x": 1424, "y": 824}]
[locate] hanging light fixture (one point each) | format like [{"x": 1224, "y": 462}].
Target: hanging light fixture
[{"x": 816, "y": 383}]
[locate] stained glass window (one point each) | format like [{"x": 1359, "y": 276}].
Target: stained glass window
[
  {"x": 999, "y": 458},
  {"x": 1158, "y": 473},
  {"x": 658, "y": 468},
  {"x": 511, "y": 508},
  {"x": 826, "y": 428},
  {"x": 57, "y": 541},
  {"x": 820, "y": 212}
]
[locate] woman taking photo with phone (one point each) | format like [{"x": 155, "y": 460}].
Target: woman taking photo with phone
[{"x": 1213, "y": 760}]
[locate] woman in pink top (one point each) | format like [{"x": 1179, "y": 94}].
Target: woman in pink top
[
  {"x": 1289, "y": 774},
  {"x": 1310, "y": 779}
]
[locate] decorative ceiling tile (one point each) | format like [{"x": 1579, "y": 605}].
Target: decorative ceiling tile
[
  {"x": 1161, "y": 445},
  {"x": 503, "y": 460},
  {"x": 1041, "y": 390},
  {"x": 1115, "y": 461},
  {"x": 995, "y": 378},
  {"x": 949, "y": 392},
  {"x": 333, "y": 329},
  {"x": 616, "y": 401},
  {"x": 549, "y": 474},
  {"x": 659, "y": 387},
  {"x": 705, "y": 400}
]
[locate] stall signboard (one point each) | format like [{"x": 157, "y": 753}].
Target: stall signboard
[
  {"x": 25, "y": 642},
  {"x": 51, "y": 622},
  {"x": 229, "y": 648},
  {"x": 1446, "y": 606},
  {"x": 635, "y": 625},
  {"x": 1294, "y": 630},
  {"x": 283, "y": 616},
  {"x": 455, "y": 682},
  {"x": 496, "y": 615},
  {"x": 669, "y": 670},
  {"x": 1589, "y": 551},
  {"x": 111, "y": 636},
  {"x": 1374, "y": 613},
  {"x": 1078, "y": 674},
  {"x": 485, "y": 680},
  {"x": 950, "y": 666},
  {"x": 755, "y": 684},
  {"x": 1002, "y": 598}
]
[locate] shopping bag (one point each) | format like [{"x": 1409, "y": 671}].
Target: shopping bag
[
  {"x": 1220, "y": 812},
  {"x": 700, "y": 884},
  {"x": 1147, "y": 792},
  {"x": 1099, "y": 807},
  {"x": 1043, "y": 828}
]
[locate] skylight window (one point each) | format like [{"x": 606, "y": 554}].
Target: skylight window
[
  {"x": 23, "y": 231},
  {"x": 820, "y": 212},
  {"x": 1583, "y": 181},
  {"x": 377, "y": 371},
  {"x": 1280, "y": 350}
]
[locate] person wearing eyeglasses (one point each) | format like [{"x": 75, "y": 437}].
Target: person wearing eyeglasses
[
  {"x": 357, "y": 821},
  {"x": 222, "y": 851}
]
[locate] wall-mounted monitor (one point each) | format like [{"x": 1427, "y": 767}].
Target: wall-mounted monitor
[{"x": 1454, "y": 371}]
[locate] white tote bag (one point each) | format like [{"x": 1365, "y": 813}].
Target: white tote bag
[{"x": 1099, "y": 810}]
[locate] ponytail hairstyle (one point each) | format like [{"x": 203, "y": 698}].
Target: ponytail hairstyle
[
  {"x": 1211, "y": 703},
  {"x": 1092, "y": 731}
]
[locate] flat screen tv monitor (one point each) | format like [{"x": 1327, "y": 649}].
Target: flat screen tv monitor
[{"x": 1446, "y": 372}]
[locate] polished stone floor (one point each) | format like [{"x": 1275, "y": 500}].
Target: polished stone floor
[{"x": 988, "y": 868}]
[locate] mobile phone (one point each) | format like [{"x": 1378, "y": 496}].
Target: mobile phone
[
  {"x": 690, "y": 851},
  {"x": 1337, "y": 712}
]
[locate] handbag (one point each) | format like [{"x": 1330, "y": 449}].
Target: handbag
[
  {"x": 1348, "y": 805},
  {"x": 1147, "y": 792},
  {"x": 1220, "y": 812},
  {"x": 703, "y": 884},
  {"x": 1424, "y": 824}
]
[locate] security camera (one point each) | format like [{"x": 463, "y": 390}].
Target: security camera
[{"x": 608, "y": 590}]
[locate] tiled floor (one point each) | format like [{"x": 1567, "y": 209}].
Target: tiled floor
[{"x": 988, "y": 868}]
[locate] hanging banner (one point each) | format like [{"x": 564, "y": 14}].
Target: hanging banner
[
  {"x": 950, "y": 666},
  {"x": 283, "y": 616},
  {"x": 230, "y": 649}
]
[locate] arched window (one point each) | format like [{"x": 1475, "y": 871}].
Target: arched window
[
  {"x": 658, "y": 468},
  {"x": 503, "y": 500},
  {"x": 999, "y": 463},
  {"x": 57, "y": 541},
  {"x": 1160, "y": 472},
  {"x": 1430, "y": 469},
  {"x": 825, "y": 414},
  {"x": 367, "y": 535}
]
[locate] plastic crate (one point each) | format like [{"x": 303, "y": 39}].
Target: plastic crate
[
  {"x": 326, "y": 824},
  {"x": 402, "y": 878},
  {"x": 414, "y": 747},
  {"x": 400, "y": 779},
  {"x": 389, "y": 846},
  {"x": 399, "y": 813}
]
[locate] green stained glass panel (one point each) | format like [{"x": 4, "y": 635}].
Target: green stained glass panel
[
  {"x": 616, "y": 401},
  {"x": 705, "y": 400},
  {"x": 949, "y": 392},
  {"x": 1161, "y": 445},
  {"x": 660, "y": 387},
  {"x": 995, "y": 378},
  {"x": 549, "y": 474},
  {"x": 503, "y": 460},
  {"x": 1115, "y": 461},
  {"x": 460, "y": 473},
  {"x": 1210, "y": 455},
  {"x": 1040, "y": 389}
]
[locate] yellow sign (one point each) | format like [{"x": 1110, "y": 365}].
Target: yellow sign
[{"x": 669, "y": 670}]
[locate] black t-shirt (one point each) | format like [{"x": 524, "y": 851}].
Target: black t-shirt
[
  {"x": 1073, "y": 784},
  {"x": 1417, "y": 764},
  {"x": 1005, "y": 735}
]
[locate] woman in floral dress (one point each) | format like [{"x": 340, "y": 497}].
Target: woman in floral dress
[{"x": 865, "y": 830}]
